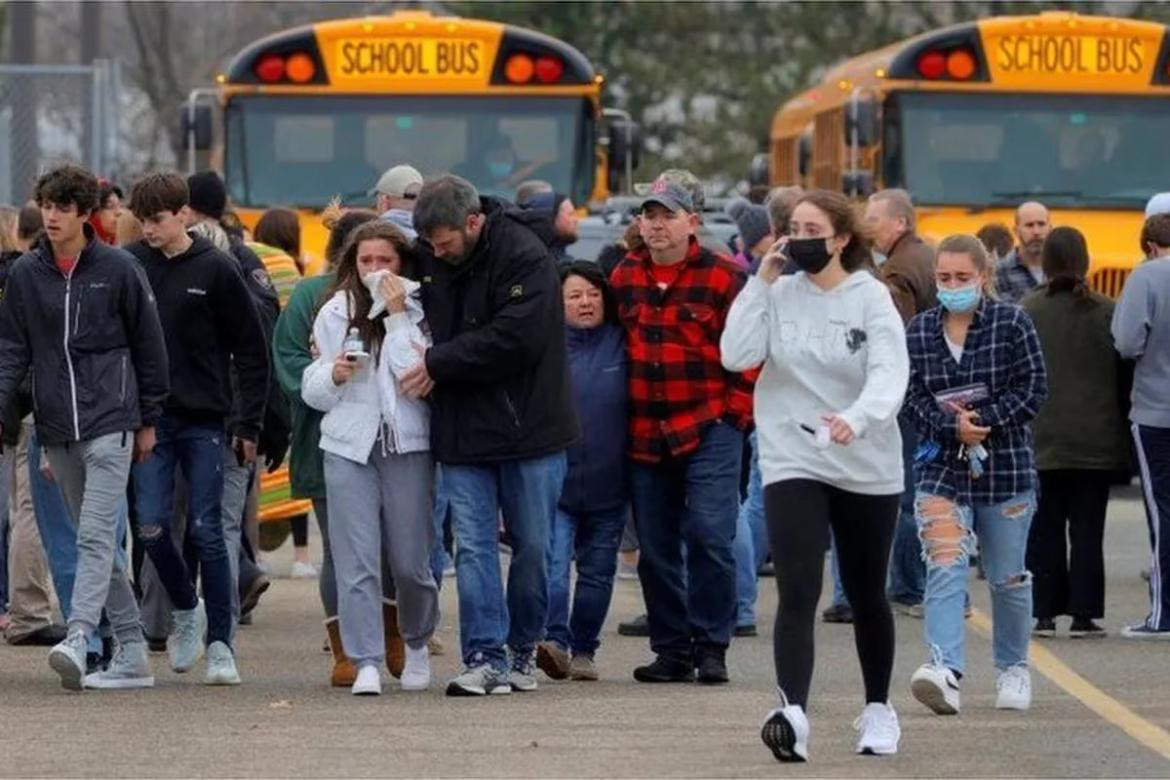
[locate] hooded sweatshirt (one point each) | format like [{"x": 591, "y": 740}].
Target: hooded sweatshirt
[
  {"x": 841, "y": 351},
  {"x": 1141, "y": 331}
]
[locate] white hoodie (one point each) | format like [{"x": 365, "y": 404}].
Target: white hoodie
[
  {"x": 356, "y": 410},
  {"x": 838, "y": 352}
]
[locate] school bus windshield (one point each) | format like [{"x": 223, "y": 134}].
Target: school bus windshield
[
  {"x": 301, "y": 151},
  {"x": 996, "y": 149}
]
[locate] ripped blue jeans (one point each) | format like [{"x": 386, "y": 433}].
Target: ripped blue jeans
[{"x": 946, "y": 529}]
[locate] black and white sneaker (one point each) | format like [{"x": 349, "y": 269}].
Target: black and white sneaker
[
  {"x": 1144, "y": 631},
  {"x": 482, "y": 680},
  {"x": 936, "y": 687},
  {"x": 785, "y": 732},
  {"x": 1085, "y": 628},
  {"x": 1045, "y": 628}
]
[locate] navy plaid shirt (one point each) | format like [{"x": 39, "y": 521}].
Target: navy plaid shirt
[
  {"x": 1002, "y": 352},
  {"x": 1013, "y": 280}
]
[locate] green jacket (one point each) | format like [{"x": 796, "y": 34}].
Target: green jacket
[
  {"x": 290, "y": 358},
  {"x": 1082, "y": 425}
]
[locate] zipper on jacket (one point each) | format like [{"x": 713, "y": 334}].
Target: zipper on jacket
[
  {"x": 511, "y": 409},
  {"x": 69, "y": 358},
  {"x": 122, "y": 391}
]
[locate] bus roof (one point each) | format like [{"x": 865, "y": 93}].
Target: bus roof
[
  {"x": 893, "y": 66},
  {"x": 316, "y": 41}
]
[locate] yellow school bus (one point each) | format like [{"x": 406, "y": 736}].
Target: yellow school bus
[
  {"x": 974, "y": 119},
  {"x": 323, "y": 110}
]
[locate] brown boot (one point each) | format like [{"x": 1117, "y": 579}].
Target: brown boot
[
  {"x": 344, "y": 672},
  {"x": 395, "y": 646}
]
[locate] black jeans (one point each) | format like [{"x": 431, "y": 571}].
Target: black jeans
[
  {"x": 800, "y": 513},
  {"x": 1065, "y": 552}
]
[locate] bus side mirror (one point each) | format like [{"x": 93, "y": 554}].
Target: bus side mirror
[
  {"x": 625, "y": 147},
  {"x": 195, "y": 124},
  {"x": 861, "y": 122},
  {"x": 859, "y": 184},
  {"x": 758, "y": 170}
]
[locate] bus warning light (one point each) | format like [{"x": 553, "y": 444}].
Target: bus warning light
[
  {"x": 300, "y": 68},
  {"x": 960, "y": 65},
  {"x": 519, "y": 69},
  {"x": 549, "y": 70},
  {"x": 932, "y": 65},
  {"x": 270, "y": 68}
]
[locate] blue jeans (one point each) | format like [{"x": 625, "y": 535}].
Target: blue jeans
[
  {"x": 946, "y": 531},
  {"x": 59, "y": 535},
  {"x": 907, "y": 569},
  {"x": 526, "y": 491},
  {"x": 692, "y": 500},
  {"x": 592, "y": 539},
  {"x": 196, "y": 448},
  {"x": 751, "y": 543},
  {"x": 440, "y": 560}
]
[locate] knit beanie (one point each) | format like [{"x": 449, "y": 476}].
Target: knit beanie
[{"x": 208, "y": 195}]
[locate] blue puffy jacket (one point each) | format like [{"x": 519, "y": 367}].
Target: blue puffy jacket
[{"x": 596, "y": 479}]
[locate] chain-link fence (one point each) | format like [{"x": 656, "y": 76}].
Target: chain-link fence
[{"x": 51, "y": 114}]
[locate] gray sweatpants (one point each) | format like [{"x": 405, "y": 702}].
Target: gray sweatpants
[
  {"x": 382, "y": 509},
  {"x": 93, "y": 476}
]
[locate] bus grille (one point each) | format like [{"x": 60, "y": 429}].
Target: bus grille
[{"x": 1109, "y": 281}]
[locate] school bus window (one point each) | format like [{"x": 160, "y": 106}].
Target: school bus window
[
  {"x": 389, "y": 140},
  {"x": 985, "y": 149},
  {"x": 304, "y": 139}
]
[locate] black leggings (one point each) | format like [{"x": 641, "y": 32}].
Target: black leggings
[{"x": 800, "y": 513}]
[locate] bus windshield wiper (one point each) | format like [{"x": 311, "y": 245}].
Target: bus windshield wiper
[{"x": 1040, "y": 195}]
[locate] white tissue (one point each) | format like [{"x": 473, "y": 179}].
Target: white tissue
[{"x": 373, "y": 282}]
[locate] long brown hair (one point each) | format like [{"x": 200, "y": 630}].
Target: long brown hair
[
  {"x": 349, "y": 280},
  {"x": 280, "y": 228},
  {"x": 842, "y": 216},
  {"x": 1066, "y": 261}
]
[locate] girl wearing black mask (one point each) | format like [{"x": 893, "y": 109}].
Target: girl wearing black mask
[{"x": 835, "y": 369}]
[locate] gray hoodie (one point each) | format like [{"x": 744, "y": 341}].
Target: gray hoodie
[
  {"x": 403, "y": 220},
  {"x": 1141, "y": 330}
]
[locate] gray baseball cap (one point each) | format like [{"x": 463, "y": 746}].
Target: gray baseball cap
[{"x": 669, "y": 194}]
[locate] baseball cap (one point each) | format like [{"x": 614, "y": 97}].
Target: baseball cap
[
  {"x": 397, "y": 181},
  {"x": 669, "y": 194},
  {"x": 1159, "y": 204}
]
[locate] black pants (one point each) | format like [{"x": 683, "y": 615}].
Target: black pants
[
  {"x": 1153, "y": 451},
  {"x": 1065, "y": 552},
  {"x": 800, "y": 513}
]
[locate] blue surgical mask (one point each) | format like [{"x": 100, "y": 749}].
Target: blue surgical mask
[
  {"x": 960, "y": 300},
  {"x": 500, "y": 170}
]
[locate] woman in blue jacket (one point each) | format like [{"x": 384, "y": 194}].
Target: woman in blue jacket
[{"x": 593, "y": 506}]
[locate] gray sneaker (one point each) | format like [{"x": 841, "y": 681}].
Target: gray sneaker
[
  {"x": 523, "y": 674},
  {"x": 185, "y": 644},
  {"x": 480, "y": 680},
  {"x": 221, "y": 666},
  {"x": 68, "y": 660},
  {"x": 129, "y": 668}
]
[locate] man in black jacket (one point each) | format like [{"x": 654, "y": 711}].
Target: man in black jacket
[
  {"x": 211, "y": 324},
  {"x": 553, "y": 218},
  {"x": 80, "y": 315},
  {"x": 502, "y": 417}
]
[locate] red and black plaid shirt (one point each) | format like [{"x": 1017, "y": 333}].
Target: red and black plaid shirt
[{"x": 677, "y": 384}]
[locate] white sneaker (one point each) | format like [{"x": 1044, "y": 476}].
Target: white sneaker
[
  {"x": 880, "y": 732},
  {"x": 785, "y": 732},
  {"x": 936, "y": 687},
  {"x": 302, "y": 571},
  {"x": 416, "y": 674},
  {"x": 67, "y": 658},
  {"x": 185, "y": 644},
  {"x": 368, "y": 682},
  {"x": 221, "y": 666},
  {"x": 1015, "y": 689},
  {"x": 129, "y": 668}
]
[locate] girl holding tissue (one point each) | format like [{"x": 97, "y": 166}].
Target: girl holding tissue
[
  {"x": 835, "y": 369},
  {"x": 378, "y": 469},
  {"x": 977, "y": 380}
]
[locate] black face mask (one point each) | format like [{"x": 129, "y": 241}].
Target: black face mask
[{"x": 811, "y": 255}]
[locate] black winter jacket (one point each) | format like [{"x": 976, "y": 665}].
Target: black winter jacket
[
  {"x": 93, "y": 341},
  {"x": 498, "y": 360},
  {"x": 210, "y": 321}
]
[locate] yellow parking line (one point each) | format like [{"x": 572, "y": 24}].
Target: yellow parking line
[{"x": 1045, "y": 661}]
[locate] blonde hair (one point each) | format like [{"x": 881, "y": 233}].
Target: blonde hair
[
  {"x": 963, "y": 244},
  {"x": 8, "y": 220},
  {"x": 128, "y": 229}
]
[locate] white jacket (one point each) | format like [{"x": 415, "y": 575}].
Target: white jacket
[
  {"x": 839, "y": 352},
  {"x": 355, "y": 411}
]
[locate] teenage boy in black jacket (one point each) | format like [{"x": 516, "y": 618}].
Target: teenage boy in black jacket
[
  {"x": 210, "y": 322},
  {"x": 80, "y": 315}
]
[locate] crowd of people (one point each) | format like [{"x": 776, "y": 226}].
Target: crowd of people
[{"x": 454, "y": 380}]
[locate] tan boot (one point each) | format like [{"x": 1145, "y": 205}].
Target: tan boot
[
  {"x": 344, "y": 672},
  {"x": 395, "y": 646}
]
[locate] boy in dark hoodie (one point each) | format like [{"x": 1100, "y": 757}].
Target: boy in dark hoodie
[
  {"x": 79, "y": 315},
  {"x": 210, "y": 321}
]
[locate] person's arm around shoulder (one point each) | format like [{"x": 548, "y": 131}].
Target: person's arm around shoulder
[
  {"x": 148, "y": 351},
  {"x": 887, "y": 365},
  {"x": 1133, "y": 316},
  {"x": 324, "y": 379},
  {"x": 744, "y": 343}
]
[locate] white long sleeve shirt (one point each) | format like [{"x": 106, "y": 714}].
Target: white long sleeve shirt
[{"x": 841, "y": 351}]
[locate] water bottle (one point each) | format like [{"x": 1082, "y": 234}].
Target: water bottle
[{"x": 353, "y": 347}]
